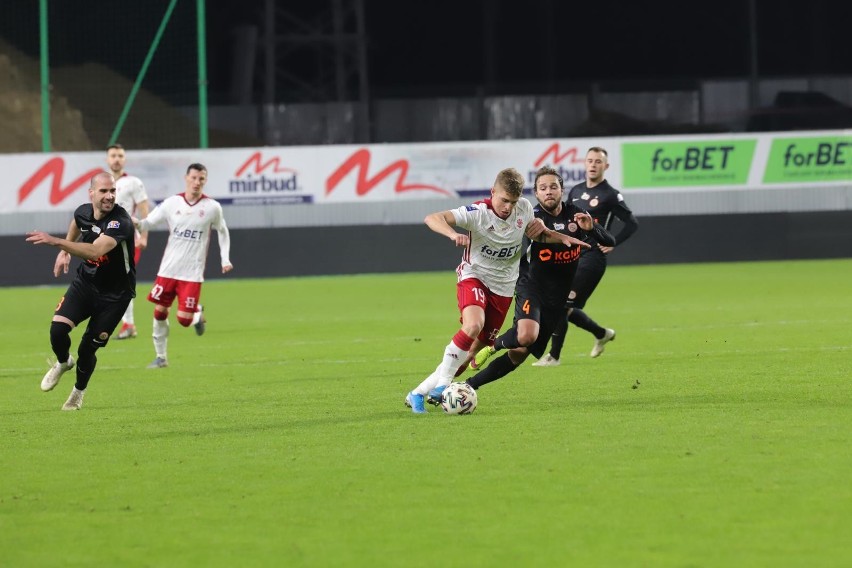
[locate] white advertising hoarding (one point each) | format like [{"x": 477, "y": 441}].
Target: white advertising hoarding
[{"x": 314, "y": 174}]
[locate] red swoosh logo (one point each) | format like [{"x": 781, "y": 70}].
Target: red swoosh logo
[
  {"x": 553, "y": 150},
  {"x": 257, "y": 161},
  {"x": 360, "y": 160},
  {"x": 54, "y": 168}
]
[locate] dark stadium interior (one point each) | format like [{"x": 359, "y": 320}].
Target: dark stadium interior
[
  {"x": 363, "y": 54},
  {"x": 415, "y": 54},
  {"x": 457, "y": 47}
]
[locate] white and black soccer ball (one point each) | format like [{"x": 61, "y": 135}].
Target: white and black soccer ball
[{"x": 458, "y": 398}]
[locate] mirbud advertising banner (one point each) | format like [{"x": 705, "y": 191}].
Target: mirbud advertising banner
[
  {"x": 318, "y": 175},
  {"x": 303, "y": 175}
]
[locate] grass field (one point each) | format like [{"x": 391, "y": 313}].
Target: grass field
[{"x": 279, "y": 438}]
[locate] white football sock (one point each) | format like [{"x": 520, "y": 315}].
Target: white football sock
[
  {"x": 454, "y": 356},
  {"x": 161, "y": 337},
  {"x": 428, "y": 383},
  {"x": 128, "y": 314},
  {"x": 444, "y": 373}
]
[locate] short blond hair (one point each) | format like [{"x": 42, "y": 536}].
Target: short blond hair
[{"x": 511, "y": 180}]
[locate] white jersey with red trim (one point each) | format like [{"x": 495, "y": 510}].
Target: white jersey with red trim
[
  {"x": 189, "y": 238},
  {"x": 129, "y": 191},
  {"x": 495, "y": 244}
]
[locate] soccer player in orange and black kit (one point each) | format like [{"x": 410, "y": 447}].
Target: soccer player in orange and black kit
[
  {"x": 547, "y": 271},
  {"x": 604, "y": 203},
  {"x": 102, "y": 234}
]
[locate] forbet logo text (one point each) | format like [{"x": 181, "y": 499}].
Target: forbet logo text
[
  {"x": 825, "y": 154},
  {"x": 505, "y": 252},
  {"x": 692, "y": 158},
  {"x": 813, "y": 159},
  {"x": 684, "y": 164}
]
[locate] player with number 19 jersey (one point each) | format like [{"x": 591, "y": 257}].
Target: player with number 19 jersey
[
  {"x": 494, "y": 251},
  {"x": 190, "y": 226}
]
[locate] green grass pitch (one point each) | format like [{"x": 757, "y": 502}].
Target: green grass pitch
[{"x": 280, "y": 438}]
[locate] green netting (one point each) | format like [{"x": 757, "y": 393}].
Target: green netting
[{"x": 95, "y": 57}]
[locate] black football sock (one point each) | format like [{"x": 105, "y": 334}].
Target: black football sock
[
  {"x": 499, "y": 367},
  {"x": 508, "y": 340},
  {"x": 557, "y": 340},
  {"x": 86, "y": 362},
  {"x": 60, "y": 340},
  {"x": 581, "y": 320},
  {"x": 83, "y": 376}
]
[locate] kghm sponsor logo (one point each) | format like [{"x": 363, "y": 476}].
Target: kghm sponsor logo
[
  {"x": 825, "y": 154},
  {"x": 560, "y": 256},
  {"x": 264, "y": 184},
  {"x": 693, "y": 158}
]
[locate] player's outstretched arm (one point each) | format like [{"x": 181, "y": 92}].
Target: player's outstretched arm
[
  {"x": 63, "y": 259},
  {"x": 62, "y": 263},
  {"x": 142, "y": 211},
  {"x": 555, "y": 237},
  {"x": 534, "y": 229},
  {"x": 86, "y": 251},
  {"x": 444, "y": 223}
]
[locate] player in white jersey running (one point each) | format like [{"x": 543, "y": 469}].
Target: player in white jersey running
[
  {"x": 487, "y": 273},
  {"x": 130, "y": 194},
  {"x": 191, "y": 216}
]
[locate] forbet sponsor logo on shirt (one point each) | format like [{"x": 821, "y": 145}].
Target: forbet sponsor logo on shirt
[
  {"x": 504, "y": 252},
  {"x": 693, "y": 163},
  {"x": 797, "y": 160},
  {"x": 187, "y": 234}
]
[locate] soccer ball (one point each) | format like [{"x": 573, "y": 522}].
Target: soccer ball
[{"x": 458, "y": 398}]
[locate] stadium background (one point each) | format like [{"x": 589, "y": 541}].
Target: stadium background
[{"x": 375, "y": 72}]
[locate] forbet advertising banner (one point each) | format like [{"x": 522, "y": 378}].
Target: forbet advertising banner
[
  {"x": 809, "y": 160},
  {"x": 318, "y": 175},
  {"x": 660, "y": 164}
]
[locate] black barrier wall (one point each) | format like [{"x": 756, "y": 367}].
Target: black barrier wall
[{"x": 266, "y": 253}]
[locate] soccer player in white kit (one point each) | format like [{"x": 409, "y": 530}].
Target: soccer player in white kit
[
  {"x": 191, "y": 216},
  {"x": 130, "y": 194},
  {"x": 487, "y": 273}
]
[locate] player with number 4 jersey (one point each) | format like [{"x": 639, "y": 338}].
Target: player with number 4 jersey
[
  {"x": 487, "y": 273},
  {"x": 546, "y": 274},
  {"x": 191, "y": 216}
]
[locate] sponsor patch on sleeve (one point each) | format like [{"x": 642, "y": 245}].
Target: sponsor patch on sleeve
[
  {"x": 470, "y": 207},
  {"x": 113, "y": 225}
]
